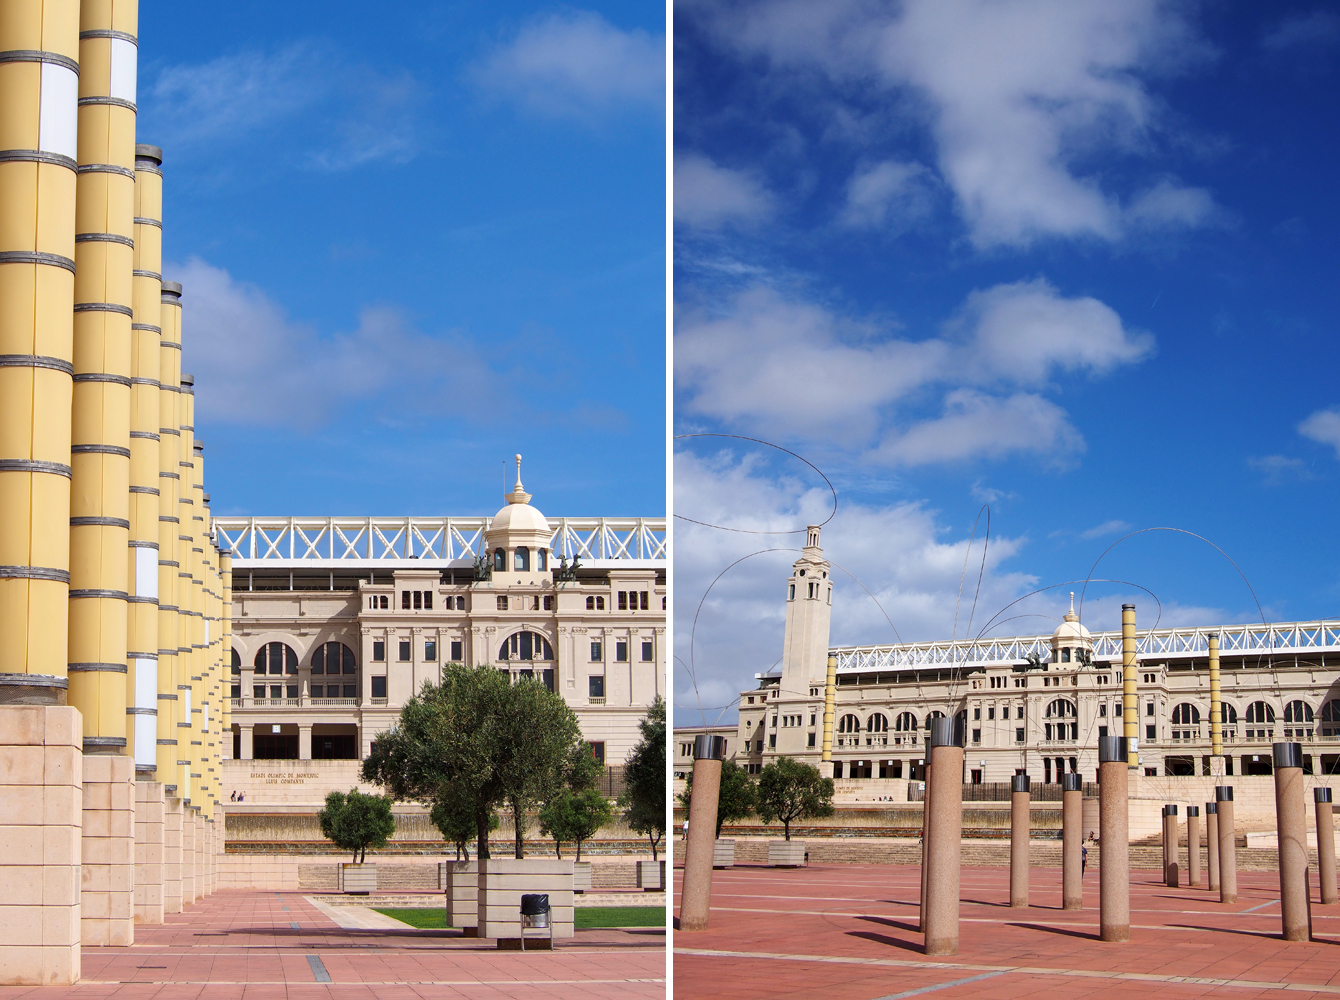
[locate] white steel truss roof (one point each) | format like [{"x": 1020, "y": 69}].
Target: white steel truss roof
[
  {"x": 1276, "y": 640},
  {"x": 353, "y": 542}
]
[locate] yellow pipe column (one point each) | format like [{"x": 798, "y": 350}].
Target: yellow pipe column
[
  {"x": 1216, "y": 712},
  {"x": 188, "y": 639},
  {"x": 104, "y": 260},
  {"x": 146, "y": 683},
  {"x": 172, "y": 699},
  {"x": 1130, "y": 714},
  {"x": 39, "y": 81},
  {"x": 830, "y": 695},
  {"x": 226, "y": 642}
]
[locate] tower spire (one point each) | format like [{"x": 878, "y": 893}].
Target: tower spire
[{"x": 518, "y": 494}]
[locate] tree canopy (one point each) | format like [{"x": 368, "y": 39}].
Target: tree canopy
[
  {"x": 736, "y": 799},
  {"x": 355, "y": 822},
  {"x": 454, "y": 817},
  {"x": 789, "y": 790},
  {"x": 643, "y": 800},
  {"x": 574, "y": 817}
]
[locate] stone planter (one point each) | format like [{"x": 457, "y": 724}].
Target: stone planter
[
  {"x": 581, "y": 876},
  {"x": 723, "y": 853},
  {"x": 503, "y": 881},
  {"x": 358, "y": 880},
  {"x": 651, "y": 876},
  {"x": 786, "y": 853},
  {"x": 461, "y": 887}
]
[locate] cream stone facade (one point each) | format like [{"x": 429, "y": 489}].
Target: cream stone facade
[
  {"x": 1032, "y": 703},
  {"x": 326, "y": 650}
]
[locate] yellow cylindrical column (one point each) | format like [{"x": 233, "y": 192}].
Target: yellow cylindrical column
[
  {"x": 226, "y": 644},
  {"x": 187, "y": 635},
  {"x": 39, "y": 93},
  {"x": 100, "y": 425},
  {"x": 170, "y": 732},
  {"x": 150, "y": 680},
  {"x": 830, "y": 695},
  {"x": 1216, "y": 710},
  {"x": 1130, "y": 719}
]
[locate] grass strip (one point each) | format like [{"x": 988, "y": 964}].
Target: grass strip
[{"x": 587, "y": 917}]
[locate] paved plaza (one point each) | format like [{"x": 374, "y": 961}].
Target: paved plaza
[
  {"x": 270, "y": 946},
  {"x": 851, "y": 931}
]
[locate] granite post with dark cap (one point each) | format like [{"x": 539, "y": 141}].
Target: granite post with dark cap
[
  {"x": 1170, "y": 873},
  {"x": 1212, "y": 844},
  {"x": 1228, "y": 851},
  {"x": 1291, "y": 835},
  {"x": 1325, "y": 844},
  {"x": 696, "y": 897},
  {"x": 1072, "y": 841},
  {"x": 1019, "y": 824},
  {"x": 944, "y": 839},
  {"x": 1193, "y": 846},
  {"x": 1114, "y": 899}
]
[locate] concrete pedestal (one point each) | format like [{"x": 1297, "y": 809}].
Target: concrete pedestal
[
  {"x": 41, "y": 812},
  {"x": 1193, "y": 846},
  {"x": 651, "y": 876},
  {"x": 502, "y": 883},
  {"x": 1291, "y": 824},
  {"x": 1228, "y": 851},
  {"x": 581, "y": 876},
  {"x": 944, "y": 842},
  {"x": 1072, "y": 843},
  {"x": 107, "y": 916},
  {"x": 723, "y": 853},
  {"x": 149, "y": 809},
  {"x": 1325, "y": 844},
  {"x": 1019, "y": 826},
  {"x": 357, "y": 880},
  {"x": 1114, "y": 869},
  {"x": 461, "y": 886},
  {"x": 786, "y": 853},
  {"x": 173, "y": 817},
  {"x": 188, "y": 896},
  {"x": 696, "y": 896},
  {"x": 1212, "y": 844},
  {"x": 201, "y": 857}
]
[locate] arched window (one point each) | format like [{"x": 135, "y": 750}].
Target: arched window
[
  {"x": 879, "y": 723},
  {"x": 236, "y": 662},
  {"x": 849, "y": 724},
  {"x": 500, "y": 560},
  {"x": 905, "y": 723},
  {"x": 522, "y": 559},
  {"x": 526, "y": 646},
  {"x": 1065, "y": 731},
  {"x": 1061, "y": 709},
  {"x": 1298, "y": 713},
  {"x": 334, "y": 658},
  {"x": 1186, "y": 715},
  {"x": 1330, "y": 713},
  {"x": 276, "y": 658},
  {"x": 932, "y": 717},
  {"x": 1260, "y": 720},
  {"x": 541, "y": 560}
]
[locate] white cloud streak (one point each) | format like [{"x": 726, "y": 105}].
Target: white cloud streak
[
  {"x": 578, "y": 65},
  {"x": 1323, "y": 427},
  {"x": 708, "y": 196}
]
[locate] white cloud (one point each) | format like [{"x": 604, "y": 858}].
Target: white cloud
[
  {"x": 577, "y": 64},
  {"x": 254, "y": 365},
  {"x": 1323, "y": 427},
  {"x": 889, "y": 195},
  {"x": 331, "y": 119},
  {"x": 1321, "y": 27},
  {"x": 796, "y": 368},
  {"x": 708, "y": 196},
  {"x": 1019, "y": 96},
  {"x": 1277, "y": 469},
  {"x": 1106, "y": 528}
]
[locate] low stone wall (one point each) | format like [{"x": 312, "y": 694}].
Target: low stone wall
[{"x": 295, "y": 872}]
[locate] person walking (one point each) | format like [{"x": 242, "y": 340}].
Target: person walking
[{"x": 1083, "y": 859}]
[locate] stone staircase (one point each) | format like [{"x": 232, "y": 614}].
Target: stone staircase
[{"x": 324, "y": 877}]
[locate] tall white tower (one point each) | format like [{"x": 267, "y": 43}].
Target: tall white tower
[{"x": 809, "y": 608}]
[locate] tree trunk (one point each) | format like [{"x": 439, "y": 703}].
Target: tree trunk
[
  {"x": 653, "y": 846},
  {"x": 579, "y": 852},
  {"x": 518, "y": 828},
  {"x": 786, "y": 825},
  {"x": 482, "y": 834}
]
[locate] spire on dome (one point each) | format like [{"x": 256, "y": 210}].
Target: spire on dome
[
  {"x": 1070, "y": 615},
  {"x": 518, "y": 494}
]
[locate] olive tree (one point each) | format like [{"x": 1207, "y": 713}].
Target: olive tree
[
  {"x": 574, "y": 817},
  {"x": 643, "y": 800},
  {"x": 736, "y": 798},
  {"x": 355, "y": 822},
  {"x": 454, "y": 817},
  {"x": 789, "y": 790}
]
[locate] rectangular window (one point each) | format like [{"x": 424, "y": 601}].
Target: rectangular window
[
  {"x": 811, "y": 740},
  {"x": 647, "y": 653},
  {"x": 457, "y": 650},
  {"x": 590, "y": 604},
  {"x": 1018, "y": 736},
  {"x": 1149, "y": 733},
  {"x": 258, "y": 691},
  {"x": 646, "y": 600},
  {"x": 502, "y": 604},
  {"x": 791, "y": 592},
  {"x": 596, "y": 657},
  {"x": 977, "y": 736},
  {"x": 291, "y": 691},
  {"x": 1102, "y": 711},
  {"x": 276, "y": 690},
  {"x": 548, "y": 602},
  {"x": 237, "y": 690},
  {"x": 404, "y": 599},
  {"x": 595, "y": 685},
  {"x": 350, "y": 690},
  {"x": 404, "y": 650},
  {"x": 1116, "y": 710},
  {"x": 430, "y": 650},
  {"x": 378, "y": 650},
  {"x": 318, "y": 690},
  {"x": 1149, "y": 708},
  {"x": 379, "y": 687},
  {"x": 598, "y": 752},
  {"x": 428, "y": 600},
  {"x": 1019, "y": 714},
  {"x": 418, "y": 600},
  {"x": 990, "y": 714},
  {"x": 623, "y": 600},
  {"x": 976, "y": 715},
  {"x": 1102, "y": 731},
  {"x": 621, "y": 652},
  {"x": 760, "y": 747}
]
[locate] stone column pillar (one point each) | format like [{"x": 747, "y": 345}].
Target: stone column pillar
[
  {"x": 1291, "y": 832},
  {"x": 944, "y": 840},
  {"x": 1228, "y": 851},
  {"x": 201, "y": 852},
  {"x": 1193, "y": 846},
  {"x": 1170, "y": 872},
  {"x": 1072, "y": 841},
  {"x": 248, "y": 749},
  {"x": 925, "y": 826},
  {"x": 304, "y": 742},
  {"x": 41, "y": 799},
  {"x": 108, "y": 877},
  {"x": 172, "y": 824},
  {"x": 1325, "y": 844},
  {"x": 187, "y": 856},
  {"x": 1019, "y": 826},
  {"x": 696, "y": 898},
  {"x": 149, "y": 817},
  {"x": 1212, "y": 844},
  {"x": 1114, "y": 901}
]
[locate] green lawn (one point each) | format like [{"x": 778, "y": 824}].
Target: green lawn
[{"x": 586, "y": 916}]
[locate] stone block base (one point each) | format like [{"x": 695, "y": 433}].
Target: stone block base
[
  {"x": 173, "y": 818},
  {"x": 358, "y": 879},
  {"x": 786, "y": 853},
  {"x": 581, "y": 876},
  {"x": 651, "y": 876},
  {"x": 503, "y": 881},
  {"x": 723, "y": 853},
  {"x": 150, "y": 804},
  {"x": 461, "y": 886},
  {"x": 41, "y": 817},
  {"x": 108, "y": 891}
]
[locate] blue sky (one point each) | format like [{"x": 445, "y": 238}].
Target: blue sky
[
  {"x": 1076, "y": 260},
  {"x": 414, "y": 241}
]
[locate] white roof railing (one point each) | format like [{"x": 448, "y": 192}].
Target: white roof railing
[
  {"x": 361, "y": 542},
  {"x": 1276, "y": 640}
]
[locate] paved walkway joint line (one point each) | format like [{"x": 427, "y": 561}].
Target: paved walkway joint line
[
  {"x": 318, "y": 969},
  {"x": 941, "y": 986}
]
